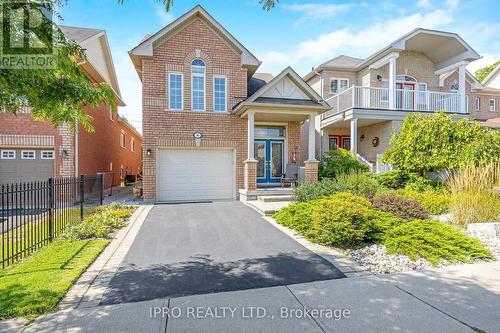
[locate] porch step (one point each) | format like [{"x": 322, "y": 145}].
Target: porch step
[
  {"x": 275, "y": 198},
  {"x": 267, "y": 208}
]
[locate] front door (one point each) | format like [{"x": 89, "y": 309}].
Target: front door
[
  {"x": 406, "y": 96},
  {"x": 270, "y": 156}
]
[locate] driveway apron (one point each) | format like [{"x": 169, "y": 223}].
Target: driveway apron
[{"x": 200, "y": 248}]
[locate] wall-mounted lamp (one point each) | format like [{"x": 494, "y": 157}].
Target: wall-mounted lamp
[
  {"x": 362, "y": 137},
  {"x": 64, "y": 153},
  {"x": 148, "y": 152},
  {"x": 379, "y": 78}
]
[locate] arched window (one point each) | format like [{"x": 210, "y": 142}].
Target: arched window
[
  {"x": 198, "y": 85},
  {"x": 454, "y": 87},
  {"x": 405, "y": 78}
]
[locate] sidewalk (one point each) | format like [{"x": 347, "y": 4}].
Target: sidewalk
[{"x": 455, "y": 299}]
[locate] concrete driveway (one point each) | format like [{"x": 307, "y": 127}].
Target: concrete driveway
[{"x": 189, "y": 249}]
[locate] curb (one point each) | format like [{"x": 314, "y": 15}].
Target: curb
[{"x": 92, "y": 284}]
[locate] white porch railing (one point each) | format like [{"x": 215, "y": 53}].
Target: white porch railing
[
  {"x": 362, "y": 159},
  {"x": 382, "y": 167},
  {"x": 406, "y": 100}
]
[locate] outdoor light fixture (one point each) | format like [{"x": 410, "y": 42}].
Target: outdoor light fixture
[
  {"x": 379, "y": 78},
  {"x": 64, "y": 153},
  {"x": 148, "y": 152}
]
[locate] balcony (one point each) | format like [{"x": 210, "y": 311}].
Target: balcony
[{"x": 405, "y": 100}]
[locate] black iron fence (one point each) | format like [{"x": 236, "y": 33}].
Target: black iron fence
[{"x": 33, "y": 214}]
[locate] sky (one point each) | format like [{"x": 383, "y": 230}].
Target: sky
[{"x": 300, "y": 34}]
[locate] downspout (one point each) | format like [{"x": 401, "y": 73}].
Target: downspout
[{"x": 76, "y": 150}]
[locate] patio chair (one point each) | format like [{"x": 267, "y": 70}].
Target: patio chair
[{"x": 290, "y": 176}]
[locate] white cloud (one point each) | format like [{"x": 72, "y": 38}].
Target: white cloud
[
  {"x": 345, "y": 41},
  {"x": 486, "y": 60},
  {"x": 424, "y": 3},
  {"x": 316, "y": 11},
  {"x": 452, "y": 4},
  {"x": 165, "y": 18}
]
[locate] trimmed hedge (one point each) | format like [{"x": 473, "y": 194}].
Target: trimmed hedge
[
  {"x": 433, "y": 241},
  {"x": 436, "y": 203},
  {"x": 339, "y": 161}
]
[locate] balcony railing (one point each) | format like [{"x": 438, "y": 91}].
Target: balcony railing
[{"x": 406, "y": 100}]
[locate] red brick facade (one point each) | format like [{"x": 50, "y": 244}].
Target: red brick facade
[
  {"x": 164, "y": 128},
  {"x": 96, "y": 150}
]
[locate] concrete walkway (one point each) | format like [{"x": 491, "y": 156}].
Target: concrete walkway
[{"x": 456, "y": 299}]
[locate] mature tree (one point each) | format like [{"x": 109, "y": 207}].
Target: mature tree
[
  {"x": 482, "y": 73},
  {"x": 438, "y": 142},
  {"x": 266, "y": 4},
  {"x": 54, "y": 93}
]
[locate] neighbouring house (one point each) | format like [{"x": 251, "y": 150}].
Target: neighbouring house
[
  {"x": 213, "y": 127},
  {"x": 35, "y": 151},
  {"x": 423, "y": 71}
]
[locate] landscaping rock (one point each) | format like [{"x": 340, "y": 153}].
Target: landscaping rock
[
  {"x": 376, "y": 259},
  {"x": 486, "y": 229}
]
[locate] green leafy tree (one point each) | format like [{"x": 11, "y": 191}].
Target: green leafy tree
[
  {"x": 56, "y": 94},
  {"x": 482, "y": 73},
  {"x": 438, "y": 142},
  {"x": 266, "y": 4}
]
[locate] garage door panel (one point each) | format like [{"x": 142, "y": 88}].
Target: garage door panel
[{"x": 195, "y": 174}]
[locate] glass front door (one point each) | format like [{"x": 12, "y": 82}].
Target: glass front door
[{"x": 270, "y": 156}]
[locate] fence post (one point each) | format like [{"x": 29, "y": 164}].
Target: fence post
[
  {"x": 51, "y": 209},
  {"x": 82, "y": 194},
  {"x": 101, "y": 176}
]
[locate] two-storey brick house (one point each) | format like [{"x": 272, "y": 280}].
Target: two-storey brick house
[
  {"x": 35, "y": 151},
  {"x": 214, "y": 128},
  {"x": 423, "y": 71}
]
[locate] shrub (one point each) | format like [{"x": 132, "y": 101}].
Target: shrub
[
  {"x": 380, "y": 223},
  {"x": 435, "y": 202},
  {"x": 363, "y": 184},
  {"x": 100, "y": 224},
  {"x": 337, "y": 221},
  {"x": 474, "y": 199},
  {"x": 394, "y": 179},
  {"x": 339, "y": 161},
  {"x": 314, "y": 190},
  {"x": 433, "y": 241},
  {"x": 408, "y": 209},
  {"x": 421, "y": 184},
  {"x": 296, "y": 216}
]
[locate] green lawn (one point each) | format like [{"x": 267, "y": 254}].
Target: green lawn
[
  {"x": 35, "y": 286},
  {"x": 36, "y": 231}
]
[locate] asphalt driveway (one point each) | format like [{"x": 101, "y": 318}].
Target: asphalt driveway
[{"x": 201, "y": 248}]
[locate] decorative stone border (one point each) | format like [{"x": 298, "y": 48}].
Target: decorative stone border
[{"x": 92, "y": 284}]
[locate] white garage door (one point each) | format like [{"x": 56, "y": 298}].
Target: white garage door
[{"x": 194, "y": 174}]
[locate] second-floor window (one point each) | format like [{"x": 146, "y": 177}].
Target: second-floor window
[
  {"x": 493, "y": 105},
  {"x": 132, "y": 144},
  {"x": 220, "y": 88},
  {"x": 175, "y": 91},
  {"x": 338, "y": 85},
  {"x": 122, "y": 140},
  {"x": 198, "y": 85}
]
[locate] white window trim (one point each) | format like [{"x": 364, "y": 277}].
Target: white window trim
[
  {"x": 122, "y": 135},
  {"x": 466, "y": 103},
  {"x": 132, "y": 144},
  {"x": 225, "y": 91},
  {"x": 47, "y": 158},
  {"x": 477, "y": 104},
  {"x": 28, "y": 151},
  {"x": 8, "y": 151},
  {"x": 182, "y": 91},
  {"x": 204, "y": 75},
  {"x": 338, "y": 84},
  {"x": 494, "y": 105}
]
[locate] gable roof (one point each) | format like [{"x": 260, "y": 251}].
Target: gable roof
[
  {"x": 494, "y": 73},
  {"x": 312, "y": 98},
  {"x": 341, "y": 63},
  {"x": 257, "y": 81},
  {"x": 99, "y": 61},
  {"x": 145, "y": 48}
]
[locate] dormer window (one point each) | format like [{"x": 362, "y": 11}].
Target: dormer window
[{"x": 198, "y": 85}]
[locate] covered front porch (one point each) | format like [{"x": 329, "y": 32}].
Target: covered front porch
[{"x": 274, "y": 116}]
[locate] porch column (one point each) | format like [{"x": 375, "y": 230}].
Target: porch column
[
  {"x": 354, "y": 136},
  {"x": 311, "y": 165},
  {"x": 461, "y": 89},
  {"x": 392, "y": 83},
  {"x": 250, "y": 173}
]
